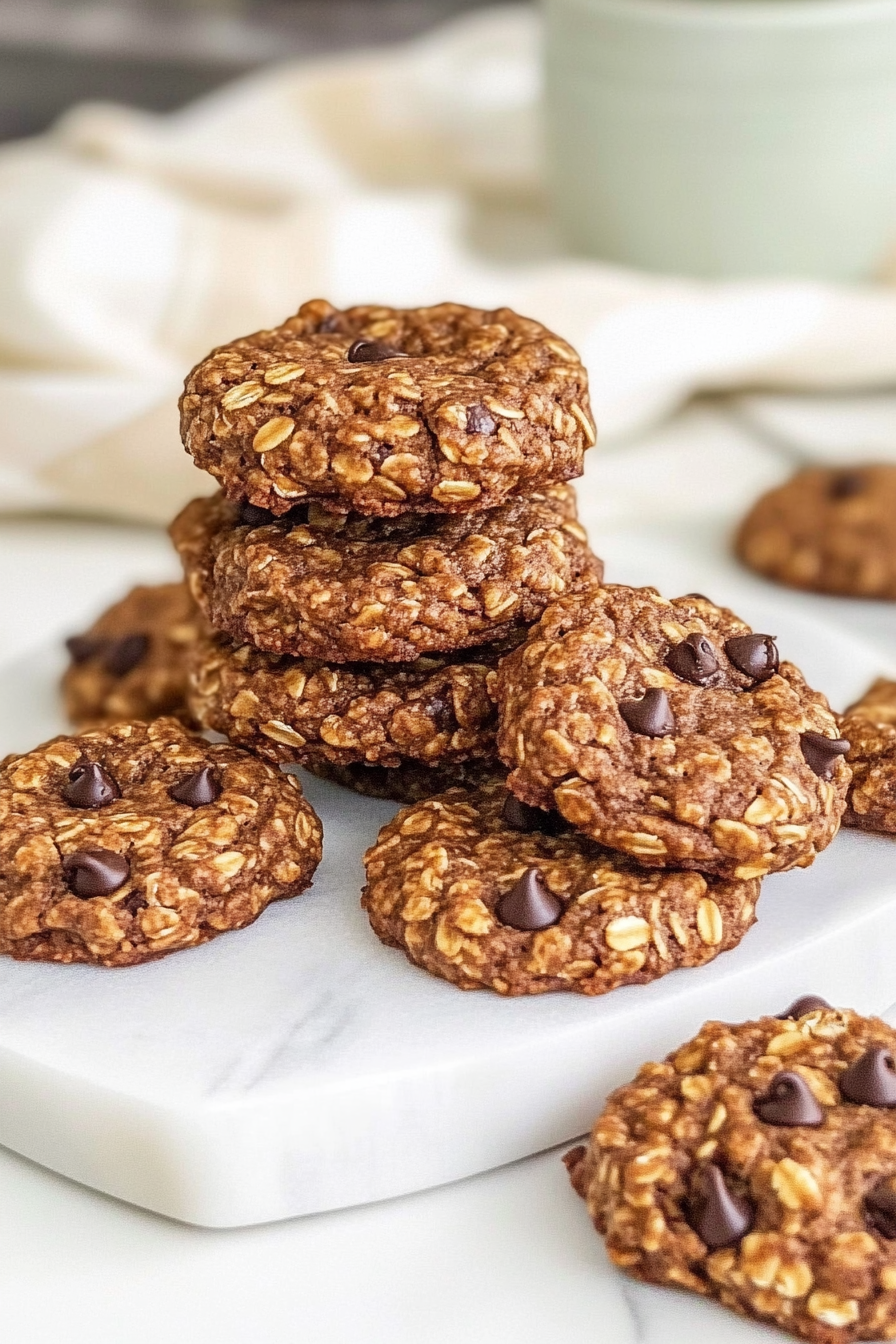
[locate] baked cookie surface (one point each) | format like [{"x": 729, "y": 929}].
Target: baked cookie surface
[
  {"x": 131, "y": 663},
  {"x": 832, "y": 530},
  {"x": 352, "y": 589},
  {"x": 757, "y": 1166},
  {"x": 298, "y": 710},
  {"x": 486, "y": 893},
  {"x": 870, "y": 727},
  {"x": 382, "y": 410},
  {"x": 121, "y": 845},
  {"x": 670, "y": 731}
]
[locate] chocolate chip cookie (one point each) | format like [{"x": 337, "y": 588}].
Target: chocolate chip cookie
[
  {"x": 671, "y": 731},
  {"x": 350, "y": 589},
  {"x": 382, "y": 411},
  {"x": 121, "y": 845},
  {"x": 410, "y": 781},
  {"x": 757, "y": 1166},
  {"x": 486, "y": 892},
  {"x": 870, "y": 727},
  {"x": 299, "y": 710},
  {"x": 828, "y": 529},
  {"x": 131, "y": 663}
]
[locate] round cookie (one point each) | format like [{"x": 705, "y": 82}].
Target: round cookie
[
  {"x": 297, "y": 710},
  {"x": 484, "y": 892},
  {"x": 668, "y": 730},
  {"x": 382, "y": 411},
  {"x": 870, "y": 727},
  {"x": 832, "y": 530},
  {"x": 757, "y": 1166},
  {"x": 120, "y": 845},
  {"x": 409, "y": 782},
  {"x": 350, "y": 589},
  {"x": 131, "y": 663}
]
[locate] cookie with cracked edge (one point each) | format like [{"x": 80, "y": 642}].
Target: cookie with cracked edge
[
  {"x": 131, "y": 663},
  {"x": 121, "y": 845},
  {"x": 671, "y": 731},
  {"x": 827, "y": 529},
  {"x": 410, "y": 781},
  {"x": 478, "y": 889},
  {"x": 383, "y": 411},
  {"x": 352, "y": 589},
  {"x": 437, "y": 710},
  {"x": 870, "y": 727},
  {"x": 757, "y": 1165}
]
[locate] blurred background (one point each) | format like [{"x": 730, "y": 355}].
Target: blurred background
[{"x": 159, "y": 54}]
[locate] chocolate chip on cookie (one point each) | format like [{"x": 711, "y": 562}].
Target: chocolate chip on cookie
[
  {"x": 123, "y": 844},
  {"x": 131, "y": 664},
  {"x": 481, "y": 902},
  {"x": 738, "y": 770},
  {"x": 826, "y": 529},
  {"x": 383, "y": 411},
  {"x": 757, "y": 1165},
  {"x": 350, "y": 589}
]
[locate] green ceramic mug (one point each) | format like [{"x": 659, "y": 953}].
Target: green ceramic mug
[{"x": 725, "y": 137}]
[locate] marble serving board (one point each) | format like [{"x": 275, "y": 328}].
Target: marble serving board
[{"x": 300, "y": 1066}]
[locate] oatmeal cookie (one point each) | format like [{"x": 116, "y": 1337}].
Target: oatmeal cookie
[
  {"x": 832, "y": 530},
  {"x": 870, "y": 727},
  {"x": 411, "y": 781},
  {"x": 120, "y": 845},
  {"x": 299, "y": 710},
  {"x": 131, "y": 663},
  {"x": 485, "y": 892},
  {"x": 668, "y": 730},
  {"x": 349, "y": 589},
  {"x": 382, "y": 411},
  {"x": 757, "y": 1166}
]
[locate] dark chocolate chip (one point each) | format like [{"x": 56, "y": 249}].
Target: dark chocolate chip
[
  {"x": 651, "y": 716},
  {"x": 528, "y": 905},
  {"x": 694, "y": 660},
  {"x": 871, "y": 1080},
  {"x": 82, "y": 647},
  {"x": 821, "y": 752},
  {"x": 197, "y": 789},
  {"x": 880, "y": 1210},
  {"x": 122, "y": 655},
  {"x": 717, "y": 1215},
  {"x": 479, "y": 421},
  {"x": 754, "y": 655},
  {"x": 251, "y": 515},
  {"x": 521, "y": 817},
  {"x": 89, "y": 785},
  {"x": 95, "y": 872},
  {"x": 371, "y": 352},
  {"x": 789, "y": 1101},
  {"x": 134, "y": 902},
  {"x": 847, "y": 484},
  {"x": 808, "y": 1003}
]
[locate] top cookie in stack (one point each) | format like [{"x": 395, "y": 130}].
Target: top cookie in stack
[{"x": 392, "y": 493}]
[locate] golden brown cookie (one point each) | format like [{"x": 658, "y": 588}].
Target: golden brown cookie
[
  {"x": 351, "y": 589},
  {"x": 386, "y": 410},
  {"x": 131, "y": 663},
  {"x": 123, "y": 844},
  {"x": 483, "y": 891},
  {"x": 829, "y": 529},
  {"x": 298, "y": 710},
  {"x": 870, "y": 727},
  {"x": 757, "y": 1166},
  {"x": 670, "y": 731}
]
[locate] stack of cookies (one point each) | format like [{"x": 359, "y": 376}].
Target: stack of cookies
[
  {"x": 663, "y": 760},
  {"x": 393, "y": 516}
]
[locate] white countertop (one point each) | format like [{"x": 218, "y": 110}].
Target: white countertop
[{"x": 508, "y": 1257}]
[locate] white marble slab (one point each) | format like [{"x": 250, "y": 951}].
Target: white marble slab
[{"x": 301, "y": 1066}]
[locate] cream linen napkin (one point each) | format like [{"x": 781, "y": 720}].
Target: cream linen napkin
[{"x": 130, "y": 244}]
